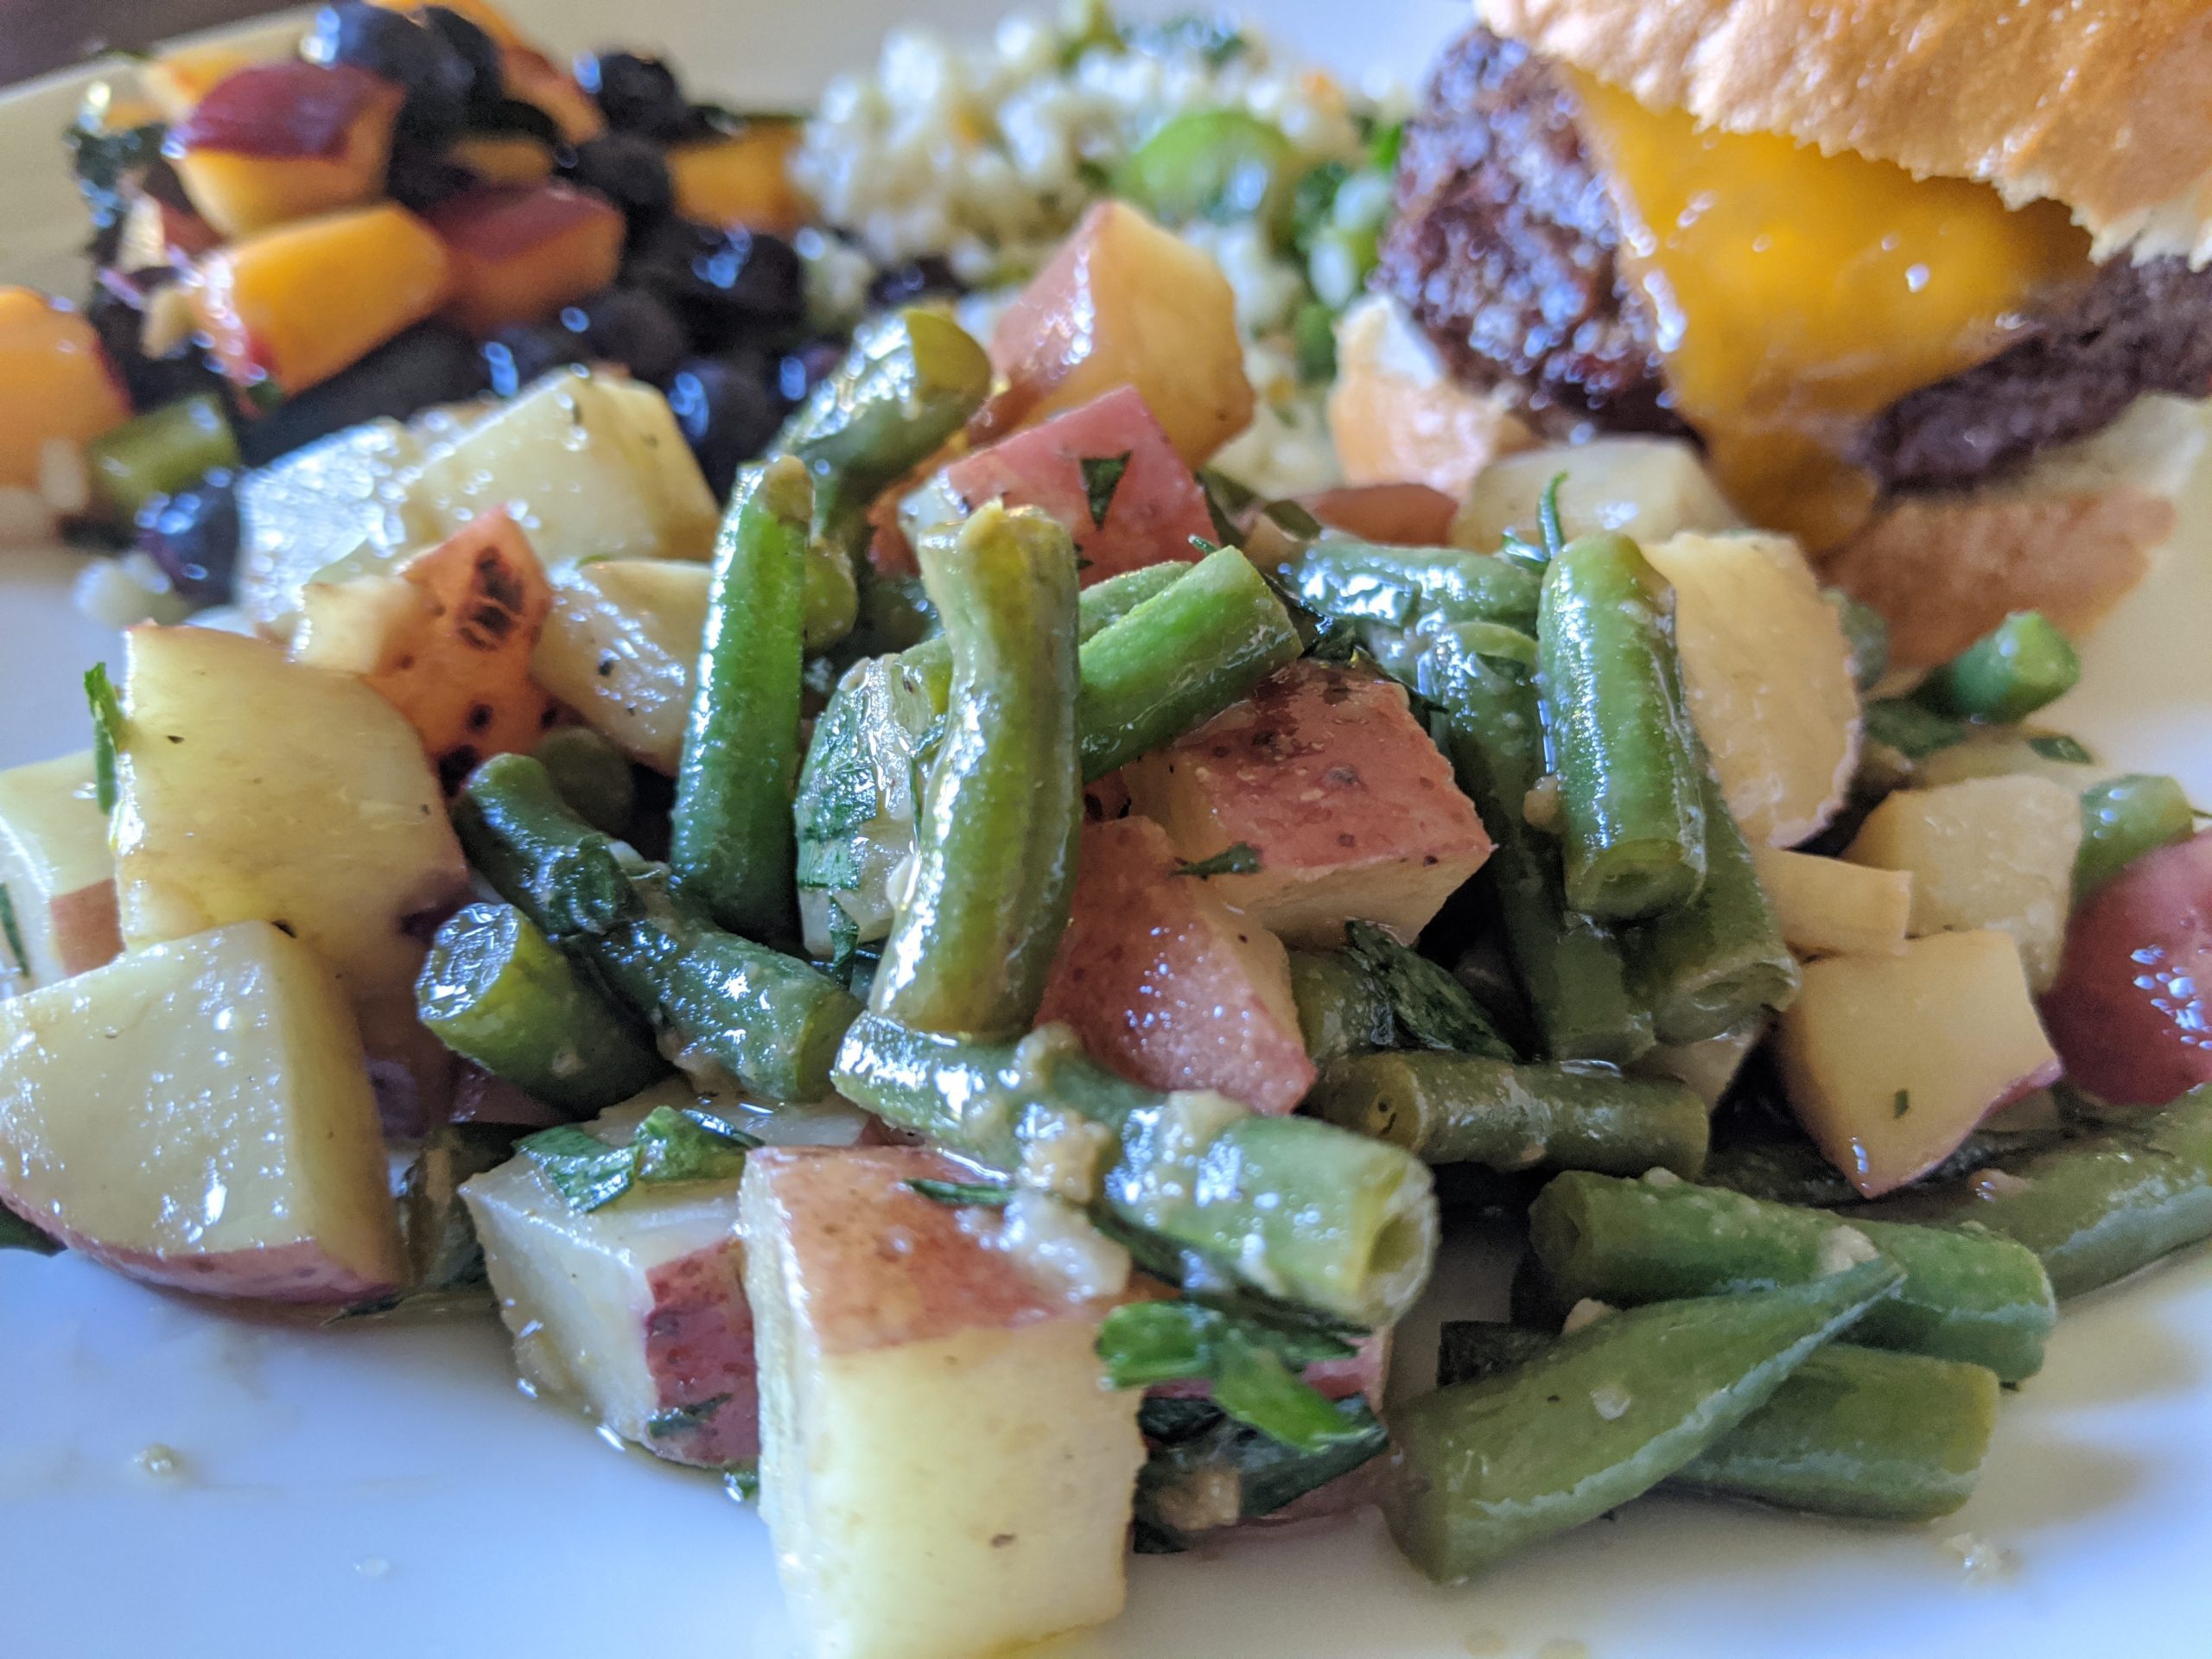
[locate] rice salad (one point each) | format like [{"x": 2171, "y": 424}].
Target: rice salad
[{"x": 985, "y": 155}]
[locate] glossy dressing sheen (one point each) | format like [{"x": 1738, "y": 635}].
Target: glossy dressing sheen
[{"x": 1797, "y": 294}]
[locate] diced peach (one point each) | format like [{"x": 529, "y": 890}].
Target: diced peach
[
  {"x": 1167, "y": 985},
  {"x": 61, "y": 386},
  {"x": 503, "y": 157},
  {"x": 535, "y": 79},
  {"x": 519, "y": 254},
  {"x": 182, "y": 75},
  {"x": 1124, "y": 303},
  {"x": 276, "y": 142},
  {"x": 1327, "y": 776},
  {"x": 293, "y": 305},
  {"x": 1891, "y": 1060},
  {"x": 741, "y": 179},
  {"x": 1403, "y": 515},
  {"x": 1154, "y": 507}
]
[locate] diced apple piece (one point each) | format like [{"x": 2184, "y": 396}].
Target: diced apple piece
[
  {"x": 1145, "y": 513},
  {"x": 1325, "y": 772},
  {"x": 56, "y": 875},
  {"x": 592, "y": 467},
  {"x": 294, "y": 305},
  {"x": 1124, "y": 303},
  {"x": 197, "y": 1115},
  {"x": 943, "y": 1469},
  {"x": 520, "y": 252},
  {"x": 1399, "y": 415},
  {"x": 2132, "y": 1010},
  {"x": 1168, "y": 986},
  {"x": 636, "y": 1309},
  {"x": 255, "y": 789},
  {"x": 535, "y": 79},
  {"x": 447, "y": 642},
  {"x": 1648, "y": 489},
  {"x": 62, "y": 388},
  {"x": 1989, "y": 852},
  {"x": 1768, "y": 676},
  {"x": 1830, "y": 908},
  {"x": 742, "y": 179},
  {"x": 1890, "y": 1061},
  {"x": 182, "y": 75},
  {"x": 619, "y": 647},
  {"x": 1401, "y": 515},
  {"x": 314, "y": 515},
  {"x": 276, "y": 142}
]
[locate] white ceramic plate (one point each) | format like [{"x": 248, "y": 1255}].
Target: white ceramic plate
[{"x": 370, "y": 1493}]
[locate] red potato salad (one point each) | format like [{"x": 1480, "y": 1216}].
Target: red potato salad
[{"x": 859, "y": 825}]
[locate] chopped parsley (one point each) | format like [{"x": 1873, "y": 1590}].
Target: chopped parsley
[
  {"x": 2067, "y": 751},
  {"x": 107, "y": 732},
  {"x": 1239, "y": 858},
  {"x": 1435, "y": 1009},
  {"x": 986, "y": 1194},
  {"x": 1101, "y": 476},
  {"x": 670, "y": 1146},
  {"x": 682, "y": 1419}
]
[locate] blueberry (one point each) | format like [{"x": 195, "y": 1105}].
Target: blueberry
[
  {"x": 914, "y": 280},
  {"x": 420, "y": 179},
  {"x": 730, "y": 409},
  {"x": 726, "y": 285},
  {"x": 119, "y": 320},
  {"x": 193, "y": 536},
  {"x": 436, "y": 78},
  {"x": 517, "y": 354},
  {"x": 636, "y": 95},
  {"x": 486, "y": 73},
  {"x": 432, "y": 363},
  {"x": 626, "y": 326},
  {"x": 806, "y": 366},
  {"x": 629, "y": 171}
]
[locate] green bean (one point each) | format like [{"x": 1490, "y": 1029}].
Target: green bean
[
  {"x": 995, "y": 841},
  {"x": 160, "y": 452},
  {"x": 1341, "y": 1010},
  {"x": 731, "y": 849},
  {"x": 2123, "y": 818},
  {"x": 1468, "y": 1109},
  {"x": 1362, "y": 582},
  {"x": 1178, "y": 660},
  {"x": 728, "y": 1009},
  {"x": 496, "y": 991},
  {"x": 1208, "y": 1193},
  {"x": 1603, "y": 1416},
  {"x": 2097, "y": 1209},
  {"x": 1969, "y": 1295},
  {"x": 1570, "y": 966},
  {"x": 1630, "y": 802},
  {"x": 2018, "y": 667},
  {"x": 1709, "y": 965},
  {"x": 592, "y": 775},
  {"x": 1867, "y": 636},
  {"x": 1852, "y": 1432},
  {"x": 1794, "y": 1173}
]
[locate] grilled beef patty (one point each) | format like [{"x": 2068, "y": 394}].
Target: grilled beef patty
[{"x": 1505, "y": 248}]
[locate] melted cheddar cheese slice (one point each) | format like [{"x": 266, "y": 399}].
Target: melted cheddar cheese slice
[{"x": 1796, "y": 294}]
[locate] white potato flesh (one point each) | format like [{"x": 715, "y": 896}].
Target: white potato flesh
[
  {"x": 55, "y": 870},
  {"x": 1983, "y": 853},
  {"x": 1768, "y": 675},
  {"x": 619, "y": 647},
  {"x": 320, "y": 513},
  {"x": 255, "y": 789},
  {"x": 943, "y": 1469},
  {"x": 1827, "y": 907},
  {"x": 1646, "y": 488},
  {"x": 198, "y": 1114}
]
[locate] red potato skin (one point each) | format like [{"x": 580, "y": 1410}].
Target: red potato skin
[
  {"x": 299, "y": 1273},
  {"x": 698, "y": 1348},
  {"x": 2130, "y": 1012},
  {"x": 87, "y": 932},
  {"x": 1149, "y": 981},
  {"x": 1156, "y": 508}
]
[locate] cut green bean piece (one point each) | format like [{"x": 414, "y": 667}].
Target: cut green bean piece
[
  {"x": 1430, "y": 1007},
  {"x": 2123, "y": 818},
  {"x": 1207, "y": 1193},
  {"x": 995, "y": 850},
  {"x": 1969, "y": 1294},
  {"x": 1631, "y": 800},
  {"x": 496, "y": 991},
  {"x": 593, "y": 776},
  {"x": 160, "y": 452},
  {"x": 2023, "y": 664},
  {"x": 1341, "y": 1010},
  {"x": 1178, "y": 658},
  {"x": 1853, "y": 1431},
  {"x": 1362, "y": 581},
  {"x": 1794, "y": 1173},
  {"x": 1603, "y": 1416},
  {"x": 1709, "y": 965},
  {"x": 731, "y": 849},
  {"x": 1466, "y": 1108}
]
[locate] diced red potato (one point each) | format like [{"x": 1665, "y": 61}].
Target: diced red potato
[
  {"x": 1400, "y": 515},
  {"x": 637, "y": 1309},
  {"x": 2131, "y": 1009},
  {"x": 479, "y": 1097},
  {"x": 1325, "y": 772},
  {"x": 1167, "y": 985},
  {"x": 1154, "y": 507}
]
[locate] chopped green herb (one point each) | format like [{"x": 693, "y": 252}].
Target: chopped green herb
[
  {"x": 1239, "y": 858},
  {"x": 673, "y": 1146},
  {"x": 1253, "y": 1366},
  {"x": 1313, "y": 340},
  {"x": 1548, "y": 520},
  {"x": 682, "y": 1419},
  {"x": 1195, "y": 1440},
  {"x": 1312, "y": 198},
  {"x": 1101, "y": 476},
  {"x": 742, "y": 1481},
  {"x": 1384, "y": 146},
  {"x": 1216, "y": 39},
  {"x": 584, "y": 1170},
  {"x": 1435, "y": 1009},
  {"x": 17, "y": 1234},
  {"x": 107, "y": 732},
  {"x": 1914, "y": 732},
  {"x": 13, "y": 933},
  {"x": 2067, "y": 751},
  {"x": 105, "y": 163},
  {"x": 1903, "y": 1102},
  {"x": 986, "y": 1194}
]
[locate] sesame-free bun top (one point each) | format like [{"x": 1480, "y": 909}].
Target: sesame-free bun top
[{"x": 2105, "y": 105}]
